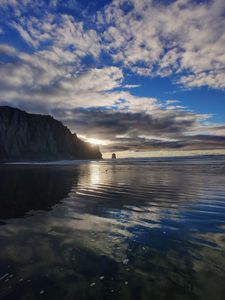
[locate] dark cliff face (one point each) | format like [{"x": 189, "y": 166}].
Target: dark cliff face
[{"x": 26, "y": 136}]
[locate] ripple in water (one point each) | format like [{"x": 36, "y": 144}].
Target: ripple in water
[{"x": 126, "y": 229}]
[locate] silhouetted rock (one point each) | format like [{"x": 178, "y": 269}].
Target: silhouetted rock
[
  {"x": 114, "y": 156},
  {"x": 25, "y": 136}
]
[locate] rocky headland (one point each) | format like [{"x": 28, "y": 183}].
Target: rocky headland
[{"x": 25, "y": 136}]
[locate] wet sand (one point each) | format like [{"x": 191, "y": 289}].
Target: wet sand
[{"x": 129, "y": 229}]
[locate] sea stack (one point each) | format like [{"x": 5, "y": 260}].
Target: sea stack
[
  {"x": 114, "y": 156},
  {"x": 25, "y": 136}
]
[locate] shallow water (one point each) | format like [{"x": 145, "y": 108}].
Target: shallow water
[{"x": 113, "y": 229}]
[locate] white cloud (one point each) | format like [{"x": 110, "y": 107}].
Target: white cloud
[
  {"x": 166, "y": 39},
  {"x": 34, "y": 78},
  {"x": 8, "y": 50},
  {"x": 152, "y": 38},
  {"x": 131, "y": 86},
  {"x": 24, "y": 34},
  {"x": 61, "y": 31},
  {"x": 168, "y": 102},
  {"x": 8, "y": 2}
]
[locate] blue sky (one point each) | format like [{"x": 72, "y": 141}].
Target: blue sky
[{"x": 135, "y": 75}]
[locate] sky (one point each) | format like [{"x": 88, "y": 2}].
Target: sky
[{"x": 137, "y": 77}]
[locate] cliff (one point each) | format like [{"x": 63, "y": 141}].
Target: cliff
[{"x": 25, "y": 136}]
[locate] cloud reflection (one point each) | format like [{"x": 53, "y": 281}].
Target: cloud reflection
[{"x": 123, "y": 222}]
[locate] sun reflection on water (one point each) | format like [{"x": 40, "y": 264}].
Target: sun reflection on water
[{"x": 131, "y": 226}]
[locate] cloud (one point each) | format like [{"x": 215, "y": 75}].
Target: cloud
[
  {"x": 33, "y": 79},
  {"x": 19, "y": 8},
  {"x": 61, "y": 32},
  {"x": 168, "y": 102},
  {"x": 30, "y": 79},
  {"x": 24, "y": 34},
  {"x": 159, "y": 122},
  {"x": 153, "y": 129},
  {"x": 140, "y": 131},
  {"x": 77, "y": 67},
  {"x": 131, "y": 86},
  {"x": 183, "y": 36}
]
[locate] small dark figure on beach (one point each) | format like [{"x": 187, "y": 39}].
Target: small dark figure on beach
[{"x": 114, "y": 156}]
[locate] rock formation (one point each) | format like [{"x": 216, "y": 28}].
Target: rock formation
[
  {"x": 25, "y": 136},
  {"x": 114, "y": 156}
]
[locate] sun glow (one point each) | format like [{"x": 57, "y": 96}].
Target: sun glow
[
  {"x": 93, "y": 141},
  {"x": 96, "y": 141}
]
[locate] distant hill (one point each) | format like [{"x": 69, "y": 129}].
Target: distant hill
[{"x": 25, "y": 136}]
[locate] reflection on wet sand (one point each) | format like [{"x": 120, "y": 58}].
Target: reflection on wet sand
[
  {"x": 25, "y": 188},
  {"x": 130, "y": 231}
]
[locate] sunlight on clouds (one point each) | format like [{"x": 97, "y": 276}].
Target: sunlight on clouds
[{"x": 94, "y": 141}]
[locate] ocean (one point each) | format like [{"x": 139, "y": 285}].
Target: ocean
[{"x": 131, "y": 229}]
